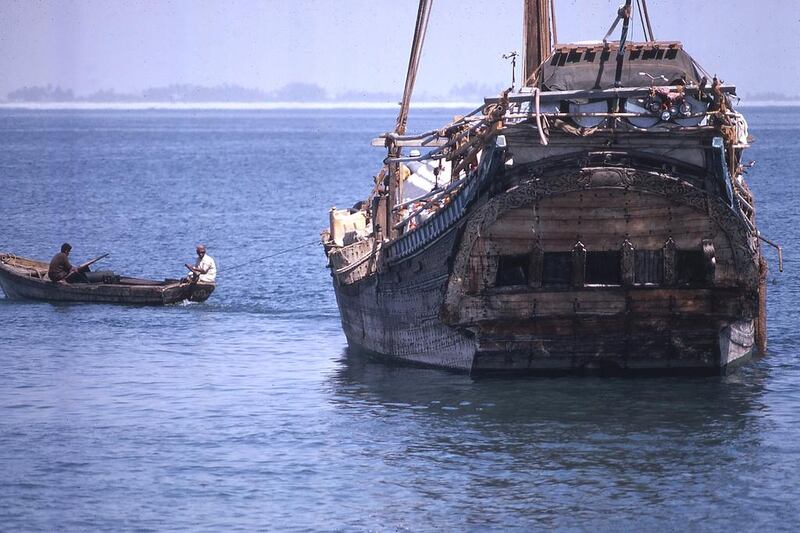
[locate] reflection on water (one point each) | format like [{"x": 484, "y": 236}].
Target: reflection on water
[
  {"x": 612, "y": 402},
  {"x": 556, "y": 450}
]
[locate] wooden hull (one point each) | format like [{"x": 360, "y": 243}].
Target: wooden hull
[
  {"x": 583, "y": 223},
  {"x": 18, "y": 283},
  {"x": 397, "y": 315},
  {"x": 565, "y": 357},
  {"x": 438, "y": 299}
]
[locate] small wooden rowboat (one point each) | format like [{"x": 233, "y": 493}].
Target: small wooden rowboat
[{"x": 26, "y": 279}]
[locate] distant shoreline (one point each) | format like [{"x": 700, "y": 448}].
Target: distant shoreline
[
  {"x": 227, "y": 106},
  {"x": 269, "y": 106}
]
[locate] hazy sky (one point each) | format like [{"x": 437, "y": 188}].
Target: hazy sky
[{"x": 131, "y": 45}]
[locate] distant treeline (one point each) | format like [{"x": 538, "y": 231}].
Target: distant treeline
[
  {"x": 770, "y": 97},
  {"x": 293, "y": 92}
]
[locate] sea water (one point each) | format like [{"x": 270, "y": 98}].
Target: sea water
[{"x": 246, "y": 412}]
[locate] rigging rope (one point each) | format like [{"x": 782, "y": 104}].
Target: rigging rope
[
  {"x": 646, "y": 17},
  {"x": 257, "y": 259},
  {"x": 638, "y": 7}
]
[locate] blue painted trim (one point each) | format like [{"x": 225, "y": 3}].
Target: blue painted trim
[
  {"x": 430, "y": 230},
  {"x": 721, "y": 171}
]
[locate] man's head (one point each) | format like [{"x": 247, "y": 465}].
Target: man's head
[
  {"x": 201, "y": 250},
  {"x": 65, "y": 248}
]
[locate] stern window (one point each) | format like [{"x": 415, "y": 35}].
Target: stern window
[
  {"x": 512, "y": 270},
  {"x": 690, "y": 267},
  {"x": 649, "y": 267},
  {"x": 603, "y": 268},
  {"x": 556, "y": 269}
]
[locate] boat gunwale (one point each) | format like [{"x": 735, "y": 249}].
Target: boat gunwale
[
  {"x": 23, "y": 285},
  {"x": 20, "y": 272}
]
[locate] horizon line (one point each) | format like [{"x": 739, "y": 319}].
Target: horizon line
[
  {"x": 223, "y": 106},
  {"x": 268, "y": 106}
]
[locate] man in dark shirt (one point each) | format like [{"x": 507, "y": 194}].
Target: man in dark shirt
[{"x": 61, "y": 269}]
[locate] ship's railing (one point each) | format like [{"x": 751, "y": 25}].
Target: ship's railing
[
  {"x": 427, "y": 199},
  {"x": 431, "y": 138},
  {"x": 411, "y": 242},
  {"x": 546, "y": 97},
  {"x": 441, "y": 139},
  {"x": 439, "y": 142},
  {"x": 459, "y": 195},
  {"x": 464, "y": 139}
]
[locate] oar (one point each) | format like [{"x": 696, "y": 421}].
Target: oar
[
  {"x": 89, "y": 263},
  {"x": 195, "y": 273}
]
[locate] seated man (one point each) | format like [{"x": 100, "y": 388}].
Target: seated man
[
  {"x": 205, "y": 269},
  {"x": 61, "y": 269}
]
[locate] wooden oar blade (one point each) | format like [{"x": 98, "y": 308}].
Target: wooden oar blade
[{"x": 93, "y": 261}]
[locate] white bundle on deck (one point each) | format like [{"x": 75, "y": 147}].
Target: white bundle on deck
[{"x": 422, "y": 179}]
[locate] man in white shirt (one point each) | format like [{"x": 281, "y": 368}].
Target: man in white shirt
[{"x": 205, "y": 269}]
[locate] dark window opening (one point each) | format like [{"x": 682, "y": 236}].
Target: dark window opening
[
  {"x": 556, "y": 269},
  {"x": 512, "y": 270},
  {"x": 649, "y": 267},
  {"x": 690, "y": 267},
  {"x": 603, "y": 268}
]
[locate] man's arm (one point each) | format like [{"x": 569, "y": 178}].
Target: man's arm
[
  {"x": 201, "y": 268},
  {"x": 204, "y": 266},
  {"x": 68, "y": 268}
]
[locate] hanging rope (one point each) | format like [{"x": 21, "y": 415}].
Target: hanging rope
[
  {"x": 542, "y": 136},
  {"x": 258, "y": 259}
]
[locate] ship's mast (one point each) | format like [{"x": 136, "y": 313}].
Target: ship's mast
[
  {"x": 394, "y": 179},
  {"x": 539, "y": 33}
]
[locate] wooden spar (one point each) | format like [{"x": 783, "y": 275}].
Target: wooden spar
[
  {"x": 423, "y": 14},
  {"x": 625, "y": 14},
  {"x": 646, "y": 18},
  {"x": 394, "y": 186},
  {"x": 537, "y": 35},
  {"x": 89, "y": 263},
  {"x": 622, "y": 92}
]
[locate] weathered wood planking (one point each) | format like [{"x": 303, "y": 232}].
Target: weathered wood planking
[{"x": 442, "y": 306}]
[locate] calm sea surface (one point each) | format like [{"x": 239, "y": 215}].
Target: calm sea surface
[{"x": 246, "y": 412}]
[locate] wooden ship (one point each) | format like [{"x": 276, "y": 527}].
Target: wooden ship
[
  {"x": 26, "y": 279},
  {"x": 596, "y": 218}
]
